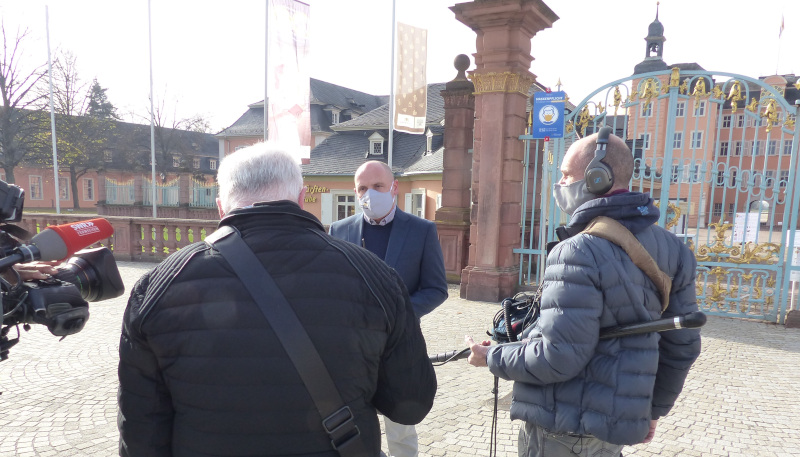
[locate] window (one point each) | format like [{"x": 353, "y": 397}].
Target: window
[
  {"x": 376, "y": 144},
  {"x": 733, "y": 178},
  {"x": 758, "y": 147},
  {"x": 680, "y": 108},
  {"x": 645, "y": 140},
  {"x": 737, "y": 148},
  {"x": 770, "y": 175},
  {"x": 717, "y": 211},
  {"x": 748, "y": 147},
  {"x": 428, "y": 141},
  {"x": 35, "y": 187},
  {"x": 787, "y": 147},
  {"x": 418, "y": 202},
  {"x": 212, "y": 164},
  {"x": 784, "y": 178},
  {"x": 63, "y": 188},
  {"x": 107, "y": 156},
  {"x": 740, "y": 120},
  {"x": 647, "y": 110},
  {"x": 700, "y": 109},
  {"x": 677, "y": 140},
  {"x": 697, "y": 140},
  {"x": 345, "y": 206},
  {"x": 731, "y": 210},
  {"x": 675, "y": 174},
  {"x": 88, "y": 189},
  {"x": 176, "y": 161},
  {"x": 772, "y": 149},
  {"x": 752, "y": 121},
  {"x": 723, "y": 148},
  {"x": 720, "y": 179},
  {"x": 695, "y": 173},
  {"x": 726, "y": 124},
  {"x": 196, "y": 162}
]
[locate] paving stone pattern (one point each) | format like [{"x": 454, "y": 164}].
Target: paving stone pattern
[{"x": 740, "y": 400}]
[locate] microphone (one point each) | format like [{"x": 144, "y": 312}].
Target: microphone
[
  {"x": 696, "y": 319},
  {"x": 60, "y": 241}
]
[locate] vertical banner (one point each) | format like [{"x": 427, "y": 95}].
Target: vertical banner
[
  {"x": 289, "y": 120},
  {"x": 411, "y": 91}
]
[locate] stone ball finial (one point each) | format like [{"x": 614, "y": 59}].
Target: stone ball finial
[
  {"x": 460, "y": 82},
  {"x": 461, "y": 63}
]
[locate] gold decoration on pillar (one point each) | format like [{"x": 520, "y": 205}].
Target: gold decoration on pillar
[
  {"x": 674, "y": 209},
  {"x": 599, "y": 108},
  {"x": 530, "y": 120},
  {"x": 753, "y": 105},
  {"x": 649, "y": 90},
  {"x": 761, "y": 253},
  {"x": 717, "y": 92},
  {"x": 699, "y": 89},
  {"x": 507, "y": 82},
  {"x": 570, "y": 127},
  {"x": 797, "y": 84},
  {"x": 684, "y": 88},
  {"x": 735, "y": 96},
  {"x": 674, "y": 78},
  {"x": 632, "y": 97},
  {"x": 771, "y": 113},
  {"x": 617, "y": 99},
  {"x": 583, "y": 120}
]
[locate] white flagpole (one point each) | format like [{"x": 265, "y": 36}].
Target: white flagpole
[
  {"x": 52, "y": 113},
  {"x": 391, "y": 90},
  {"x": 266, "y": 73},
  {"x": 780, "y": 39},
  {"x": 152, "y": 121}
]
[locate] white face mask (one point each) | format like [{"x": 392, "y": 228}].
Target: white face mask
[
  {"x": 572, "y": 196},
  {"x": 376, "y": 205}
]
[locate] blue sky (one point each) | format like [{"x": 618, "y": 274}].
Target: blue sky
[{"x": 208, "y": 55}]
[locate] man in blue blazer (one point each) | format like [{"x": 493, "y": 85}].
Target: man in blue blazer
[{"x": 406, "y": 243}]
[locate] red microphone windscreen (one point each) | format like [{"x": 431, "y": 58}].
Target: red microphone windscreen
[{"x": 75, "y": 236}]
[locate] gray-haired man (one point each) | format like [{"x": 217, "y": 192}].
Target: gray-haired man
[{"x": 201, "y": 371}]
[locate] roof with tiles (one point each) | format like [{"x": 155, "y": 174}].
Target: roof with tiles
[{"x": 379, "y": 118}]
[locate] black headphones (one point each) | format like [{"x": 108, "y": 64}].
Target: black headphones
[{"x": 599, "y": 176}]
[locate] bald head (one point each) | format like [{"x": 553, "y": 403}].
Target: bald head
[
  {"x": 375, "y": 175},
  {"x": 580, "y": 154}
]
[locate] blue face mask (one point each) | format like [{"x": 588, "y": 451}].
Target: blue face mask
[
  {"x": 570, "y": 197},
  {"x": 376, "y": 205}
]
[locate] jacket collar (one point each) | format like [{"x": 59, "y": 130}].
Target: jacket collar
[{"x": 274, "y": 208}]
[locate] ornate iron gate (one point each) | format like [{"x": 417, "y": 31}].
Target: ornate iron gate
[{"x": 718, "y": 152}]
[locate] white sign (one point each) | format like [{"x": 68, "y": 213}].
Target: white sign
[
  {"x": 748, "y": 233},
  {"x": 794, "y": 275}
]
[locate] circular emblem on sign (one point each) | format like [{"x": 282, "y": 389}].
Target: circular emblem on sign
[{"x": 548, "y": 115}]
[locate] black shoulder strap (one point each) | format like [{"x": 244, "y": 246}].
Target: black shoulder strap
[{"x": 337, "y": 416}]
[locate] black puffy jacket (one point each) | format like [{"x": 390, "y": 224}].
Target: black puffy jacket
[{"x": 202, "y": 373}]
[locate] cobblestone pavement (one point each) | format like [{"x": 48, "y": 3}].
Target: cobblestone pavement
[{"x": 741, "y": 398}]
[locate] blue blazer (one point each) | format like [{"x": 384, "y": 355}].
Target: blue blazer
[{"x": 413, "y": 251}]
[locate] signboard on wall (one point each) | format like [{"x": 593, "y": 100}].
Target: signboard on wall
[{"x": 548, "y": 115}]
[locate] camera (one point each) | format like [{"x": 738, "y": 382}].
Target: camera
[{"x": 59, "y": 302}]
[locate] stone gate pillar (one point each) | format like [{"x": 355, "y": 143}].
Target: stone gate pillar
[
  {"x": 502, "y": 79},
  {"x": 452, "y": 219}
]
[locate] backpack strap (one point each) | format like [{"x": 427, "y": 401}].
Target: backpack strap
[{"x": 611, "y": 230}]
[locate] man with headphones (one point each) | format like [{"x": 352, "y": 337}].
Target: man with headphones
[{"x": 579, "y": 395}]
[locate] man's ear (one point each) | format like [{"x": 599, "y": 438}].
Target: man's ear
[
  {"x": 396, "y": 188},
  {"x": 302, "y": 197},
  {"x": 219, "y": 208}
]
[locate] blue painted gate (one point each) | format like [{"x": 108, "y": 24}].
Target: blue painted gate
[{"x": 718, "y": 152}]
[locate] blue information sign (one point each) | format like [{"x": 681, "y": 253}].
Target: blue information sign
[{"x": 548, "y": 114}]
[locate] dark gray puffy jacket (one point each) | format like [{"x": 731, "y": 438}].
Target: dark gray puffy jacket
[
  {"x": 569, "y": 381},
  {"x": 203, "y": 374}
]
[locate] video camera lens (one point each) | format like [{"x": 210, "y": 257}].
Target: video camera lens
[{"x": 94, "y": 272}]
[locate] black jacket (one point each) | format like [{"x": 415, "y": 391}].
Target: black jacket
[{"x": 202, "y": 373}]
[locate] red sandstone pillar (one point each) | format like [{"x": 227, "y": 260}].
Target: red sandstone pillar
[
  {"x": 452, "y": 219},
  {"x": 502, "y": 79}
]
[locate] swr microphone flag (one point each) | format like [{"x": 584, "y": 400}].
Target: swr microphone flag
[{"x": 411, "y": 89}]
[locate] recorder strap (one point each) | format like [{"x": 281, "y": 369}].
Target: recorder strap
[{"x": 337, "y": 418}]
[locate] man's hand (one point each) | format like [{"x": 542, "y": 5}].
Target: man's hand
[
  {"x": 36, "y": 270},
  {"x": 652, "y": 432},
  {"x": 479, "y": 351}
]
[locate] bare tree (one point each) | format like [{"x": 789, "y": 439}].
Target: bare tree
[
  {"x": 171, "y": 139},
  {"x": 82, "y": 138},
  {"x": 21, "y": 122}
]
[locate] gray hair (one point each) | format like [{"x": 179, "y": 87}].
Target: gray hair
[{"x": 263, "y": 172}]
